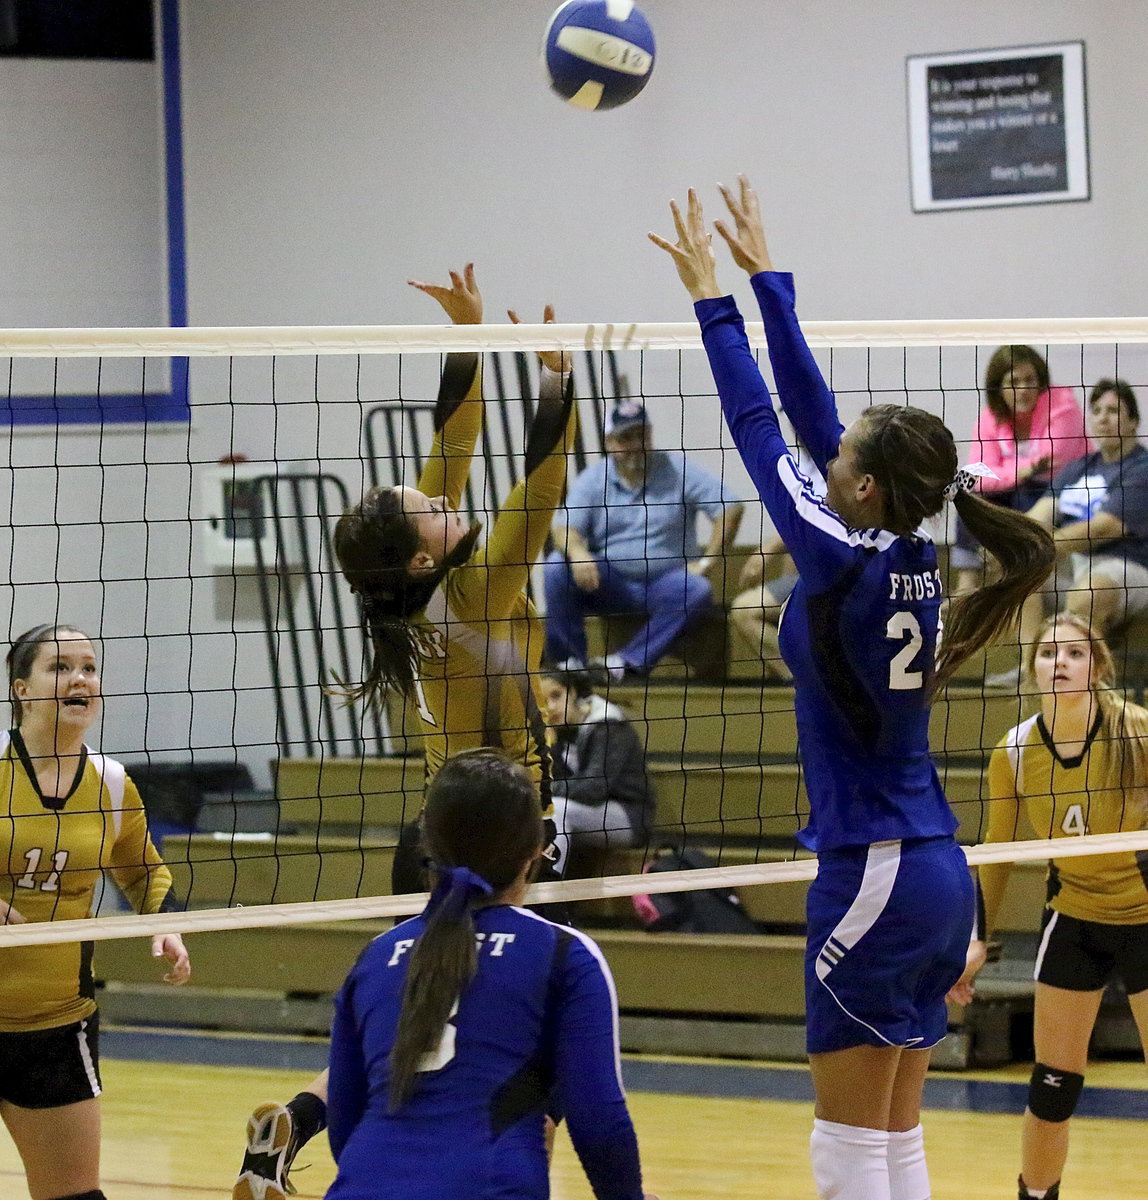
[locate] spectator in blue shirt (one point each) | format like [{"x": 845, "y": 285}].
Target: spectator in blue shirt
[
  {"x": 630, "y": 545},
  {"x": 1098, "y": 509}
]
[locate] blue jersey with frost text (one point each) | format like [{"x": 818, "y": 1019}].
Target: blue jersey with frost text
[
  {"x": 860, "y": 630},
  {"x": 538, "y": 1023}
]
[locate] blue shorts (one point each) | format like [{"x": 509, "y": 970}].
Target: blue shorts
[{"x": 889, "y": 928}]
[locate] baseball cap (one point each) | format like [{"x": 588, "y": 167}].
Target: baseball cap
[{"x": 626, "y": 415}]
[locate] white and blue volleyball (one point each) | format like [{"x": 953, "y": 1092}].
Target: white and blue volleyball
[{"x": 598, "y": 53}]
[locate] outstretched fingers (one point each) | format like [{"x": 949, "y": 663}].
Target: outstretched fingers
[{"x": 462, "y": 301}]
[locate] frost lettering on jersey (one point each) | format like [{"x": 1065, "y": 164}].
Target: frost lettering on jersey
[
  {"x": 496, "y": 943},
  {"x": 917, "y": 585}
]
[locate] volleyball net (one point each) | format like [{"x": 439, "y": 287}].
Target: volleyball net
[{"x": 199, "y": 553}]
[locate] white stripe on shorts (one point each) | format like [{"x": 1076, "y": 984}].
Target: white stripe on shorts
[
  {"x": 86, "y": 1058},
  {"x": 1044, "y": 946},
  {"x": 881, "y": 865}
]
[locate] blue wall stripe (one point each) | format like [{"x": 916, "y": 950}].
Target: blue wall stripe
[
  {"x": 724, "y": 1080},
  {"x": 173, "y": 405}
]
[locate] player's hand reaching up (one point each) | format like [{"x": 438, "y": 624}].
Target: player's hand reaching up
[
  {"x": 693, "y": 253},
  {"x": 462, "y": 301},
  {"x": 746, "y": 240},
  {"x": 554, "y": 360}
]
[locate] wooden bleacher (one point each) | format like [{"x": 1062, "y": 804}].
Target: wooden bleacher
[{"x": 723, "y": 761}]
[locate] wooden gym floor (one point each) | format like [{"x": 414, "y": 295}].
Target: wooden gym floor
[{"x": 173, "y": 1131}]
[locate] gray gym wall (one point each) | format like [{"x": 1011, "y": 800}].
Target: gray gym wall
[{"x": 335, "y": 149}]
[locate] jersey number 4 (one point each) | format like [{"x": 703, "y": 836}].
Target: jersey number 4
[
  {"x": 904, "y": 627},
  {"x": 32, "y": 858}
]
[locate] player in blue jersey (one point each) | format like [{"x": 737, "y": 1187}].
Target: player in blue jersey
[
  {"x": 455, "y": 1030},
  {"x": 890, "y": 911}
]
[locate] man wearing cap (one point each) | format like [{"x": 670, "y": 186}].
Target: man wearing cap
[{"x": 630, "y": 545}]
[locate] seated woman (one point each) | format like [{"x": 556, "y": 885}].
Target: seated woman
[
  {"x": 1026, "y": 432},
  {"x": 1078, "y": 766},
  {"x": 602, "y": 794},
  {"x": 455, "y": 1029}
]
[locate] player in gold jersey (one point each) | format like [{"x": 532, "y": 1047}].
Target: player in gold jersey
[
  {"x": 66, "y": 815},
  {"x": 450, "y": 622},
  {"x": 451, "y": 628},
  {"x": 1078, "y": 766}
]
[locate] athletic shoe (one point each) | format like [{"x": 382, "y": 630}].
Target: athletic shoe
[
  {"x": 271, "y": 1148},
  {"x": 1023, "y": 1193}
]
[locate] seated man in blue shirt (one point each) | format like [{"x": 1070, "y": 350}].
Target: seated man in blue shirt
[
  {"x": 630, "y": 545},
  {"x": 1097, "y": 508}
]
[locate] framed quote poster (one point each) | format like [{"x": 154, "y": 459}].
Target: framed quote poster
[{"x": 993, "y": 127}]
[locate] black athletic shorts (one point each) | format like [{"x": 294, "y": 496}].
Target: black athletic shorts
[
  {"x": 48, "y": 1068},
  {"x": 1082, "y": 956}
]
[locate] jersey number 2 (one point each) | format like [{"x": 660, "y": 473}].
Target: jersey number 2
[{"x": 904, "y": 627}]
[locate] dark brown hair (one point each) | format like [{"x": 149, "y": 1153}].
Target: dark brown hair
[
  {"x": 482, "y": 813},
  {"x": 374, "y": 544},
  {"x": 912, "y": 456},
  {"x": 1001, "y": 363},
  {"x": 23, "y": 654},
  {"x": 1124, "y": 394}
]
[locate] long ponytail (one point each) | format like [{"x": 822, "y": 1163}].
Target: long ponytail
[
  {"x": 481, "y": 825},
  {"x": 913, "y": 457},
  {"x": 1026, "y": 553}
]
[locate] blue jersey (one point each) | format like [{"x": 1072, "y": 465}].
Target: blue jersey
[
  {"x": 860, "y": 630},
  {"x": 540, "y": 1018}
]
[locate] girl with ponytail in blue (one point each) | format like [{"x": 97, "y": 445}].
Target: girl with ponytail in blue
[{"x": 457, "y": 1030}]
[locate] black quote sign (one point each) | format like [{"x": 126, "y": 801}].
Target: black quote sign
[{"x": 997, "y": 128}]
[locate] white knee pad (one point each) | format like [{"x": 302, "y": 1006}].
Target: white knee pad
[
  {"x": 849, "y": 1162},
  {"x": 908, "y": 1175}
]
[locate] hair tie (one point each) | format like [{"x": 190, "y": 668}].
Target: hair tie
[
  {"x": 375, "y": 606},
  {"x": 966, "y": 479},
  {"x": 455, "y": 889}
]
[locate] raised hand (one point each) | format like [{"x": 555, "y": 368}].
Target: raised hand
[
  {"x": 462, "y": 301},
  {"x": 746, "y": 240},
  {"x": 554, "y": 360},
  {"x": 693, "y": 253}
]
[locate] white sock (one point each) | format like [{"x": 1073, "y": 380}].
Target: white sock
[
  {"x": 908, "y": 1175},
  {"x": 849, "y": 1162}
]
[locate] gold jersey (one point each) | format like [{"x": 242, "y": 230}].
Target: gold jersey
[
  {"x": 52, "y": 852},
  {"x": 480, "y": 640},
  {"x": 1064, "y": 798}
]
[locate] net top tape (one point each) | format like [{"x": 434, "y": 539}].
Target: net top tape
[
  {"x": 381, "y": 907},
  {"x": 439, "y": 339}
]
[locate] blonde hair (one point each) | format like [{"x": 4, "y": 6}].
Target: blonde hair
[{"x": 1123, "y": 725}]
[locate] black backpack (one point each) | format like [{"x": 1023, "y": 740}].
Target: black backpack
[{"x": 714, "y": 910}]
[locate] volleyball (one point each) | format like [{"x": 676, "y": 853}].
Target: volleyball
[{"x": 598, "y": 53}]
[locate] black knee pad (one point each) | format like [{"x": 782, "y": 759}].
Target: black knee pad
[
  {"x": 1053, "y": 1093},
  {"x": 94, "y": 1194}
]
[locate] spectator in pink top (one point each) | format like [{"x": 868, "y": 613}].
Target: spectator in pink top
[{"x": 1026, "y": 432}]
